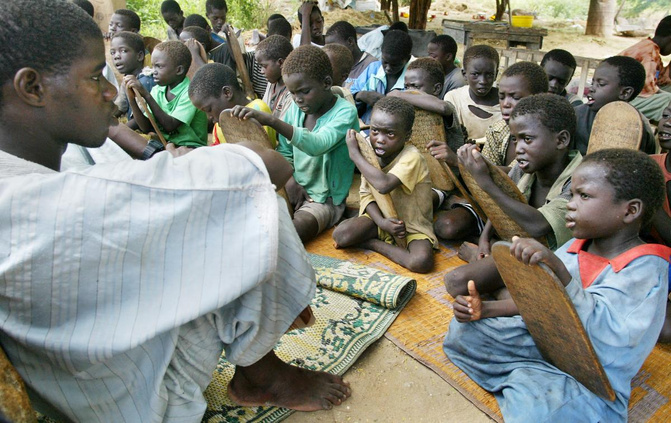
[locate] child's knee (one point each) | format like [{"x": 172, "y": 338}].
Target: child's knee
[
  {"x": 342, "y": 235},
  {"x": 456, "y": 282},
  {"x": 421, "y": 263},
  {"x": 451, "y": 226}
]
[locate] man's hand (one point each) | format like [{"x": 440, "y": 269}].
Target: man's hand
[
  {"x": 468, "y": 308},
  {"x": 395, "y": 227},
  {"x": 177, "y": 151}
]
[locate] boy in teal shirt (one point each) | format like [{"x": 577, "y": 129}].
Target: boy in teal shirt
[
  {"x": 180, "y": 122},
  {"x": 312, "y": 139}
]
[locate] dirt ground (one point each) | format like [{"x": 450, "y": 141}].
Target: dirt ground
[{"x": 387, "y": 384}]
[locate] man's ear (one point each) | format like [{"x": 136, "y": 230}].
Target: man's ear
[
  {"x": 29, "y": 86},
  {"x": 634, "y": 209},
  {"x": 563, "y": 139},
  {"x": 626, "y": 93}
]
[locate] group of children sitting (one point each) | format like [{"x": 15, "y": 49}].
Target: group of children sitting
[{"x": 593, "y": 211}]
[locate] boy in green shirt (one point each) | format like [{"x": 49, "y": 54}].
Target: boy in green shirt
[
  {"x": 312, "y": 138},
  {"x": 180, "y": 122}
]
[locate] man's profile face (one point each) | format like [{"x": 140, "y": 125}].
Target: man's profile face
[{"x": 78, "y": 102}]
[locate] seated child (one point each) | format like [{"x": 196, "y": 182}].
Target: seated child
[
  {"x": 178, "y": 119},
  {"x": 443, "y": 48},
  {"x": 477, "y": 104},
  {"x": 616, "y": 78},
  {"x": 312, "y": 139},
  {"x": 559, "y": 65},
  {"x": 341, "y": 62},
  {"x": 312, "y": 26},
  {"x": 280, "y": 26},
  {"x": 662, "y": 220},
  {"x": 200, "y": 21},
  {"x": 127, "y": 51},
  {"x": 617, "y": 283},
  {"x": 123, "y": 20},
  {"x": 344, "y": 33},
  {"x": 385, "y": 75},
  {"x": 174, "y": 17},
  {"x": 541, "y": 126},
  {"x": 519, "y": 80},
  {"x": 215, "y": 88},
  {"x": 195, "y": 33},
  {"x": 405, "y": 177},
  {"x": 271, "y": 54}
]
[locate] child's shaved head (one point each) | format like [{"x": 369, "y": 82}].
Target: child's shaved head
[
  {"x": 633, "y": 174},
  {"x": 132, "y": 39},
  {"x": 432, "y": 69},
  {"x": 483, "y": 51},
  {"x": 553, "y": 111},
  {"x": 131, "y": 18},
  {"x": 630, "y": 71},
  {"x": 397, "y": 43},
  {"x": 275, "y": 47},
  {"x": 210, "y": 79},
  {"x": 399, "y": 108},
  {"x": 341, "y": 61},
  {"x": 27, "y": 42},
  {"x": 311, "y": 61},
  {"x": 534, "y": 75},
  {"x": 176, "y": 52}
]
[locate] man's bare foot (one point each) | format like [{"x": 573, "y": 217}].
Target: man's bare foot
[
  {"x": 468, "y": 252},
  {"x": 270, "y": 381}
]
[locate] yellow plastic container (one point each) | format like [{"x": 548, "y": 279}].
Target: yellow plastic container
[{"x": 525, "y": 21}]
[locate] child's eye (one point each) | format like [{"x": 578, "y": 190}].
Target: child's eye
[{"x": 584, "y": 196}]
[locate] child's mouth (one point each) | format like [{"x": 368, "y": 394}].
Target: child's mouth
[
  {"x": 380, "y": 152},
  {"x": 523, "y": 163},
  {"x": 590, "y": 100},
  {"x": 570, "y": 223},
  {"x": 664, "y": 136}
]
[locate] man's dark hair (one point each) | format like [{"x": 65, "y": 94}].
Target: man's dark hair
[
  {"x": 560, "y": 56},
  {"x": 196, "y": 20},
  {"x": 553, "y": 112},
  {"x": 176, "y": 52},
  {"x": 432, "y": 69},
  {"x": 133, "y": 19},
  {"x": 483, "y": 51},
  {"x": 343, "y": 30},
  {"x": 663, "y": 27},
  {"x": 215, "y": 4},
  {"x": 397, "y": 43},
  {"x": 533, "y": 74},
  {"x": 27, "y": 42},
  {"x": 275, "y": 47},
  {"x": 632, "y": 174},
  {"x": 210, "y": 79},
  {"x": 310, "y": 61},
  {"x": 399, "y": 108},
  {"x": 170, "y": 6},
  {"x": 280, "y": 27},
  {"x": 86, "y": 5},
  {"x": 630, "y": 71},
  {"x": 446, "y": 44},
  {"x": 133, "y": 39}
]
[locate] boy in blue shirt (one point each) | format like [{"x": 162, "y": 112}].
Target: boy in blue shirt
[{"x": 127, "y": 51}]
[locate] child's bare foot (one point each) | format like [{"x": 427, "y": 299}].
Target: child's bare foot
[
  {"x": 468, "y": 252},
  {"x": 270, "y": 381}
]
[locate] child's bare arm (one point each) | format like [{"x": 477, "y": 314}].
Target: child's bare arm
[
  {"x": 530, "y": 252},
  {"x": 485, "y": 240},
  {"x": 306, "y": 29},
  {"x": 424, "y": 101},
  {"x": 265, "y": 119},
  {"x": 167, "y": 122},
  {"x": 395, "y": 227},
  {"x": 130, "y": 141},
  {"x": 139, "y": 119},
  {"x": 528, "y": 217},
  {"x": 468, "y": 308},
  {"x": 441, "y": 151},
  {"x": 382, "y": 182},
  {"x": 279, "y": 169},
  {"x": 368, "y": 97}
]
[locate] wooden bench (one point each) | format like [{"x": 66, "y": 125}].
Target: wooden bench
[
  {"x": 465, "y": 32},
  {"x": 585, "y": 65}
]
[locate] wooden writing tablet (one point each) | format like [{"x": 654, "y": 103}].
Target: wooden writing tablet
[
  {"x": 552, "y": 320},
  {"x": 429, "y": 126},
  {"x": 505, "y": 227},
  {"x": 616, "y": 125},
  {"x": 383, "y": 201}
]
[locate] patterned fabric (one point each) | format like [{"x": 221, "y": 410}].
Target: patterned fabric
[
  {"x": 105, "y": 319},
  {"x": 656, "y": 74},
  {"x": 496, "y": 144},
  {"x": 354, "y": 305}
]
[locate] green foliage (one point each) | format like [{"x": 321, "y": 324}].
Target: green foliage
[
  {"x": 245, "y": 14},
  {"x": 634, "y": 8},
  {"x": 565, "y": 9}
]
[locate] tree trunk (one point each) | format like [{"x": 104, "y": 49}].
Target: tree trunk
[
  {"x": 501, "y": 7},
  {"x": 419, "y": 10},
  {"x": 394, "y": 10},
  {"x": 601, "y": 18},
  {"x": 384, "y": 5}
]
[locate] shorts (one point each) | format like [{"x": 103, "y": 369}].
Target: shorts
[
  {"x": 326, "y": 214},
  {"x": 478, "y": 219}
]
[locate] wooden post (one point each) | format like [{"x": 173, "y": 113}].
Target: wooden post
[
  {"x": 601, "y": 18},
  {"x": 419, "y": 10},
  {"x": 394, "y": 10}
]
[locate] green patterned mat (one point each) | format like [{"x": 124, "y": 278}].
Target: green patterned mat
[{"x": 353, "y": 307}]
